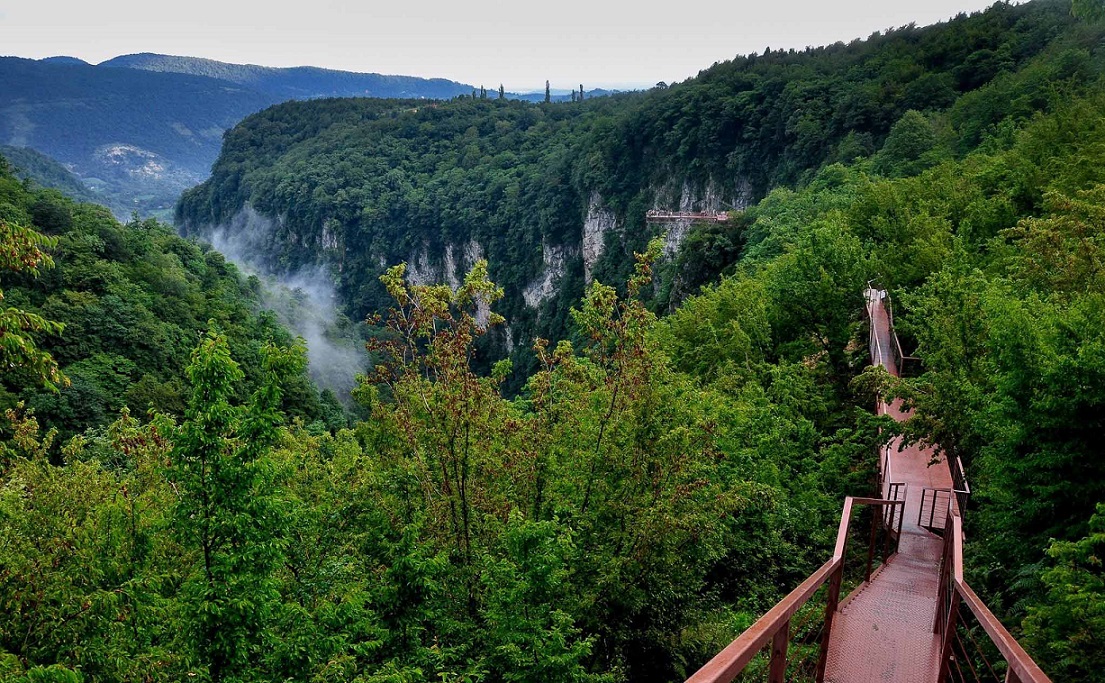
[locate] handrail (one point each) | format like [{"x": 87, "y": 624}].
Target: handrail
[
  {"x": 958, "y": 496},
  {"x": 1020, "y": 662},
  {"x": 954, "y": 591},
  {"x": 727, "y": 664},
  {"x": 774, "y": 626},
  {"x": 886, "y": 473},
  {"x": 899, "y": 355},
  {"x": 663, "y": 215},
  {"x": 874, "y": 346}
]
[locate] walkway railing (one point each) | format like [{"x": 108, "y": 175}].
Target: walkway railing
[
  {"x": 905, "y": 365},
  {"x": 935, "y": 504},
  {"x": 659, "y": 216},
  {"x": 974, "y": 645},
  {"x": 781, "y": 644}
]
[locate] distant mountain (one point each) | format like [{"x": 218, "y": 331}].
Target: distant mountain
[
  {"x": 141, "y": 128},
  {"x": 62, "y": 59},
  {"x": 296, "y": 83},
  {"x": 145, "y": 136},
  {"x": 46, "y": 172}
]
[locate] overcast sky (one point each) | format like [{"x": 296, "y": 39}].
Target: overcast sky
[{"x": 515, "y": 42}]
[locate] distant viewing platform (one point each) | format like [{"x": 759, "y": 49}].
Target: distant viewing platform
[{"x": 656, "y": 216}]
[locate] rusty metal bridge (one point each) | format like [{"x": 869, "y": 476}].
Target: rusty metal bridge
[{"x": 908, "y": 615}]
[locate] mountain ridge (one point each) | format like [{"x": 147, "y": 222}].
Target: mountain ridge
[
  {"x": 298, "y": 82},
  {"x": 141, "y": 136}
]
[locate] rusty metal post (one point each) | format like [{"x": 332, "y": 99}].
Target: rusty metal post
[
  {"x": 779, "y": 642},
  {"x": 897, "y": 544},
  {"x": 948, "y": 636},
  {"x": 886, "y": 531},
  {"x": 941, "y": 593},
  {"x": 871, "y": 544},
  {"x": 831, "y": 604}
]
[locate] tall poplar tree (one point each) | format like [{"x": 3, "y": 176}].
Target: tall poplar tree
[{"x": 227, "y": 510}]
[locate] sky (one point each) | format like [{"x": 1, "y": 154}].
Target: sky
[{"x": 518, "y": 43}]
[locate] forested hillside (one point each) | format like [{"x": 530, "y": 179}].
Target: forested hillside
[
  {"x": 552, "y": 195},
  {"x": 621, "y": 505},
  {"x": 134, "y": 300},
  {"x": 208, "y": 541},
  {"x": 145, "y": 135},
  {"x": 142, "y": 128},
  {"x": 27, "y": 163}
]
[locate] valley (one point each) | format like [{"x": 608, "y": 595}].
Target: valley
[{"x": 422, "y": 385}]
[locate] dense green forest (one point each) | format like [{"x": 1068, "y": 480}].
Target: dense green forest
[
  {"x": 134, "y": 300},
  {"x": 363, "y": 184},
  {"x": 27, "y": 163},
  {"x": 142, "y": 128},
  {"x": 624, "y": 500},
  {"x": 229, "y": 540}
]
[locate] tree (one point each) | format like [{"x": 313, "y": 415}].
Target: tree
[
  {"x": 1088, "y": 10},
  {"x": 502, "y": 92},
  {"x": 227, "y": 510},
  {"x": 910, "y": 148},
  {"x": 548, "y": 93},
  {"x": 1067, "y": 628},
  {"x": 21, "y": 251}
]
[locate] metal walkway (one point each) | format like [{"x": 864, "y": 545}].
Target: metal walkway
[
  {"x": 885, "y": 632},
  {"x": 914, "y": 619}
]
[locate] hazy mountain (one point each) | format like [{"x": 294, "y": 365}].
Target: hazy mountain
[
  {"x": 301, "y": 82},
  {"x": 143, "y": 135},
  {"x": 142, "y": 128},
  {"x": 63, "y": 59}
]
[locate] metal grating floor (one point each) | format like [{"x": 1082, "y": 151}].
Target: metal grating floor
[{"x": 884, "y": 633}]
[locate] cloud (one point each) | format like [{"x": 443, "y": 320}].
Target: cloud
[{"x": 304, "y": 301}]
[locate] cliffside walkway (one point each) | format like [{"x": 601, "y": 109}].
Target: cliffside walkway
[
  {"x": 911, "y": 619},
  {"x": 889, "y": 621}
]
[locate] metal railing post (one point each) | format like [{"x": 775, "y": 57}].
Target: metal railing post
[
  {"x": 901, "y": 516},
  {"x": 831, "y": 605},
  {"x": 871, "y": 546},
  {"x": 947, "y": 638},
  {"x": 779, "y": 642}
]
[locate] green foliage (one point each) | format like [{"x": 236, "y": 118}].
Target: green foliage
[
  {"x": 22, "y": 253},
  {"x": 1066, "y": 626},
  {"x": 29, "y": 164},
  {"x": 226, "y": 509},
  {"x": 910, "y": 148},
  {"x": 115, "y": 309},
  {"x": 649, "y": 484},
  {"x": 1089, "y": 10},
  {"x": 439, "y": 186}
]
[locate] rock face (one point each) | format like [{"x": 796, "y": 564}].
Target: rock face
[
  {"x": 596, "y": 237},
  {"x": 690, "y": 197},
  {"x": 555, "y": 260},
  {"x": 598, "y": 223},
  {"x": 422, "y": 270}
]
